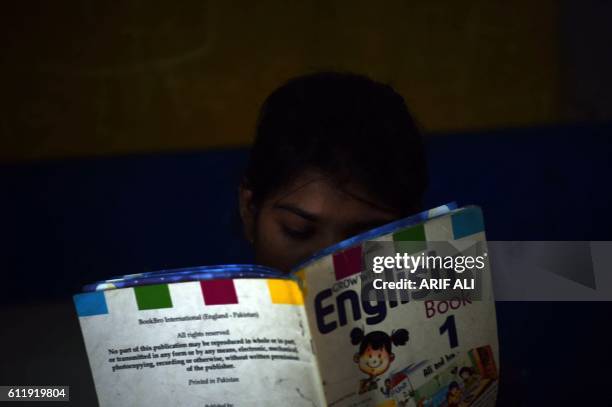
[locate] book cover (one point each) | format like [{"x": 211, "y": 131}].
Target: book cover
[{"x": 243, "y": 335}]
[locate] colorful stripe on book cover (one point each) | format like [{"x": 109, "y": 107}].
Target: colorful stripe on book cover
[
  {"x": 458, "y": 224},
  {"x": 203, "y": 293}
]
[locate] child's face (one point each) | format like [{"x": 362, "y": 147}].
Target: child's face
[
  {"x": 374, "y": 362},
  {"x": 310, "y": 214},
  {"x": 454, "y": 395}
]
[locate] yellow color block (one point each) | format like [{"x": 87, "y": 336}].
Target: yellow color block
[
  {"x": 301, "y": 276},
  {"x": 285, "y": 292},
  {"x": 387, "y": 403}
]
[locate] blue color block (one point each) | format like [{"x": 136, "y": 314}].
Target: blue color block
[
  {"x": 467, "y": 222},
  {"x": 89, "y": 304}
]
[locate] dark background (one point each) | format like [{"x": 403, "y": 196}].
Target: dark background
[{"x": 125, "y": 128}]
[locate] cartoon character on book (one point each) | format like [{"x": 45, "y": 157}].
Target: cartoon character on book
[
  {"x": 375, "y": 354},
  {"x": 454, "y": 395},
  {"x": 470, "y": 379}
]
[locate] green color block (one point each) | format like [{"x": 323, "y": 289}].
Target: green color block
[
  {"x": 153, "y": 296},
  {"x": 414, "y": 234}
]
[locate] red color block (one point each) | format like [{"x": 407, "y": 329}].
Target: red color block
[
  {"x": 219, "y": 292},
  {"x": 347, "y": 262}
]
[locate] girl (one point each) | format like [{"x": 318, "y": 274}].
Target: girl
[
  {"x": 375, "y": 356},
  {"x": 335, "y": 154}
]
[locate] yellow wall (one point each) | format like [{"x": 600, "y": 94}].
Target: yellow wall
[{"x": 84, "y": 79}]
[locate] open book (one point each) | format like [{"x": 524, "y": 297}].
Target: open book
[{"x": 323, "y": 335}]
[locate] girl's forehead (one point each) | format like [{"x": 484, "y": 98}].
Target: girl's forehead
[{"x": 323, "y": 198}]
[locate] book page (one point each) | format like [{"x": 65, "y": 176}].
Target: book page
[
  {"x": 411, "y": 352},
  {"x": 239, "y": 342}
]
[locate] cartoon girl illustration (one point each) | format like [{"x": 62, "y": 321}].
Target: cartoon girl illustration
[
  {"x": 375, "y": 356},
  {"x": 454, "y": 395}
]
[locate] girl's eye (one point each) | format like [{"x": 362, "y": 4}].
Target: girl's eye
[{"x": 297, "y": 234}]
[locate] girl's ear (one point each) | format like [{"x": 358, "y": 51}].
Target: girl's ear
[{"x": 247, "y": 211}]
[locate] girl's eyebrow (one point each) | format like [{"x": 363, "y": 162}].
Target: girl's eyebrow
[{"x": 297, "y": 211}]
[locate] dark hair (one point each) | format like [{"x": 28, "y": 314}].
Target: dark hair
[
  {"x": 378, "y": 339},
  {"x": 346, "y": 126}
]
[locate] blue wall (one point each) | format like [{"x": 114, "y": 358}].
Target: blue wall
[{"x": 67, "y": 223}]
